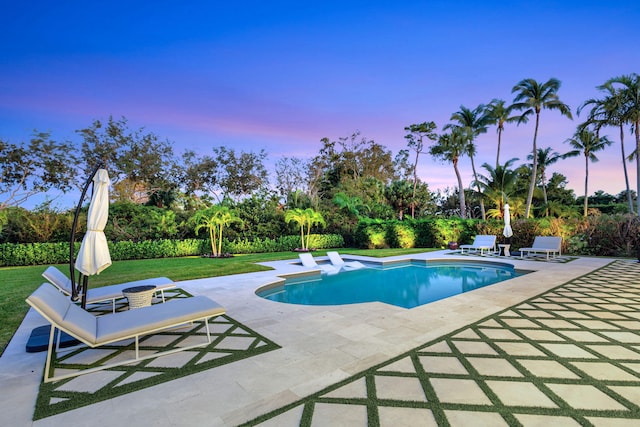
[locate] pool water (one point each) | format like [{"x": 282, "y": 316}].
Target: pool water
[{"x": 408, "y": 285}]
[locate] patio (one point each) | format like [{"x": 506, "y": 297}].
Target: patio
[{"x": 520, "y": 351}]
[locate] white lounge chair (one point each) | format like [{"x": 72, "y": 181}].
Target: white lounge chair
[
  {"x": 96, "y": 331},
  {"x": 308, "y": 261},
  {"x": 482, "y": 243},
  {"x": 338, "y": 262},
  {"x": 549, "y": 245},
  {"x": 105, "y": 293}
]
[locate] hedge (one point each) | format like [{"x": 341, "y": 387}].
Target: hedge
[
  {"x": 602, "y": 235},
  {"x": 16, "y": 254}
]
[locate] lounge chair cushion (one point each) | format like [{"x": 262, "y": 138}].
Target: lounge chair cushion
[
  {"x": 104, "y": 293},
  {"x": 112, "y": 327},
  {"x": 544, "y": 244},
  {"x": 481, "y": 242}
]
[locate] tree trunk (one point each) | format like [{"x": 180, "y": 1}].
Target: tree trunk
[
  {"x": 624, "y": 167},
  {"x": 499, "y": 141},
  {"x": 463, "y": 208},
  {"x": 586, "y": 182},
  {"x": 534, "y": 153},
  {"x": 475, "y": 177},
  {"x": 637, "y": 124},
  {"x": 544, "y": 192}
]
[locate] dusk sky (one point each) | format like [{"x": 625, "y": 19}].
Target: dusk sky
[{"x": 281, "y": 75}]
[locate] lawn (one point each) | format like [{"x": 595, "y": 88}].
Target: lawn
[{"x": 16, "y": 283}]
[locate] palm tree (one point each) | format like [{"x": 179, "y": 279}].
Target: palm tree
[
  {"x": 400, "y": 195},
  {"x": 588, "y": 143},
  {"x": 499, "y": 184},
  {"x": 300, "y": 217},
  {"x": 631, "y": 114},
  {"x": 449, "y": 148},
  {"x": 531, "y": 98},
  {"x": 313, "y": 218},
  {"x": 608, "y": 112},
  {"x": 499, "y": 115},
  {"x": 215, "y": 219},
  {"x": 545, "y": 159},
  {"x": 473, "y": 123}
]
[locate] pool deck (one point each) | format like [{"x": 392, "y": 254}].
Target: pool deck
[{"x": 321, "y": 346}]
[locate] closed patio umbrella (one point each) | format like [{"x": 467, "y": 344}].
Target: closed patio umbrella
[
  {"x": 507, "y": 232},
  {"x": 94, "y": 256}
]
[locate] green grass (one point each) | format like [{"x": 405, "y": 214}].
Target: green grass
[{"x": 16, "y": 283}]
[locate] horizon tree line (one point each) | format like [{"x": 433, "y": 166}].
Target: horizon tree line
[{"x": 144, "y": 168}]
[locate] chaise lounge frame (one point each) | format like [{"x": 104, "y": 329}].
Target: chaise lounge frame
[
  {"x": 95, "y": 331},
  {"x": 482, "y": 243},
  {"x": 544, "y": 244},
  {"x": 105, "y": 293}
]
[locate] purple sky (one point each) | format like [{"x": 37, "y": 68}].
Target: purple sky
[{"x": 282, "y": 75}]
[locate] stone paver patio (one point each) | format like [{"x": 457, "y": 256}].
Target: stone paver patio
[{"x": 559, "y": 346}]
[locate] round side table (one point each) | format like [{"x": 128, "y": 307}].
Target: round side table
[{"x": 139, "y": 296}]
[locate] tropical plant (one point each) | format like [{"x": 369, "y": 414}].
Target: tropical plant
[
  {"x": 609, "y": 112},
  {"x": 499, "y": 114},
  {"x": 498, "y": 185},
  {"x": 630, "y": 87},
  {"x": 353, "y": 205},
  {"x": 531, "y": 98},
  {"x": 473, "y": 123},
  {"x": 305, "y": 218},
  {"x": 215, "y": 219},
  {"x": 450, "y": 147},
  {"x": 545, "y": 158},
  {"x": 400, "y": 196},
  {"x": 588, "y": 143}
]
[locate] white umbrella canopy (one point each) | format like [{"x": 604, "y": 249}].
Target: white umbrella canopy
[
  {"x": 94, "y": 254},
  {"x": 507, "y": 232}
]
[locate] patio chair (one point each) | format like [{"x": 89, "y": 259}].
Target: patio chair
[
  {"x": 105, "y": 293},
  {"x": 309, "y": 262},
  {"x": 482, "y": 243},
  {"x": 339, "y": 263},
  {"x": 544, "y": 244},
  {"x": 96, "y": 331}
]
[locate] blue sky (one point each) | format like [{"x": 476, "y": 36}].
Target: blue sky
[{"x": 282, "y": 75}]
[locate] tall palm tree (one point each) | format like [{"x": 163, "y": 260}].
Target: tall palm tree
[
  {"x": 631, "y": 114},
  {"x": 500, "y": 114},
  {"x": 450, "y": 147},
  {"x": 545, "y": 159},
  {"x": 472, "y": 123},
  {"x": 608, "y": 112},
  {"x": 531, "y": 98},
  {"x": 588, "y": 143}
]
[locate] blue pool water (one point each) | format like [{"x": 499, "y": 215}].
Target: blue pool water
[{"x": 408, "y": 285}]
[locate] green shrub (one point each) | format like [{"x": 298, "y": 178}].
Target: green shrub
[{"x": 14, "y": 254}]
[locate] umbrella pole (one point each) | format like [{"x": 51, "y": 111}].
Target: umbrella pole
[
  {"x": 74, "y": 227},
  {"x": 85, "y": 288}
]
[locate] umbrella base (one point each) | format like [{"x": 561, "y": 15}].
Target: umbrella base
[{"x": 39, "y": 340}]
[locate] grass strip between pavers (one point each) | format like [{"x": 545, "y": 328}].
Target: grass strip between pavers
[
  {"x": 603, "y": 305},
  {"x": 230, "y": 341}
]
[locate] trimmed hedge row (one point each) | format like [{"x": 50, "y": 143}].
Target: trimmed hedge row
[
  {"x": 16, "y": 254},
  {"x": 603, "y": 235}
]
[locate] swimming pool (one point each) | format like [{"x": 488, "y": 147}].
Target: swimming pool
[{"x": 406, "y": 285}]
